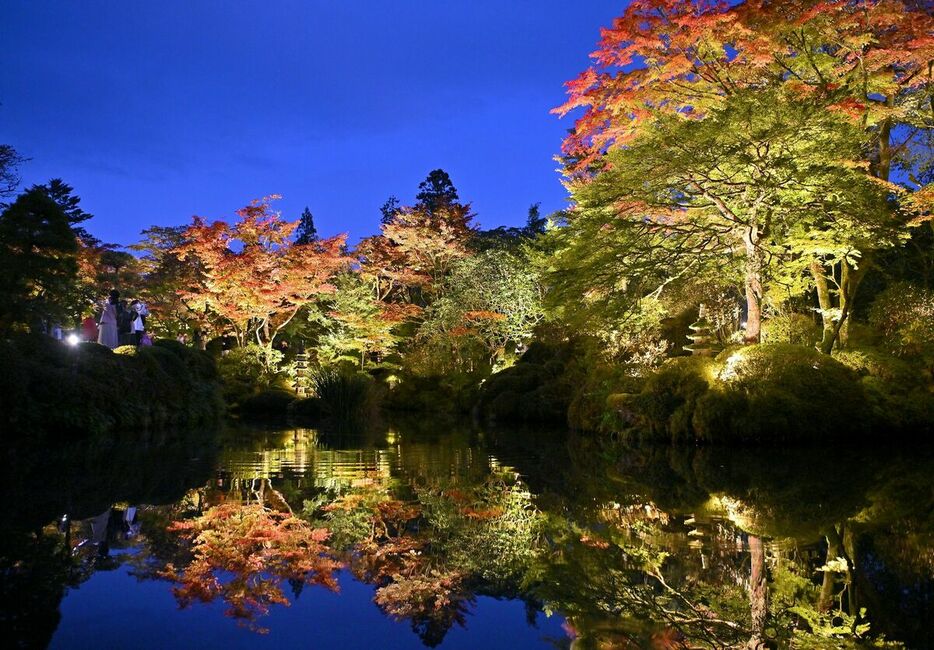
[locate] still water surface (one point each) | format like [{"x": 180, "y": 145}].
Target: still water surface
[{"x": 444, "y": 535}]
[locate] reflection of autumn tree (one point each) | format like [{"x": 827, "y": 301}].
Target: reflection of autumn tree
[
  {"x": 615, "y": 577},
  {"x": 427, "y": 558},
  {"x": 242, "y": 554},
  {"x": 777, "y": 561}
]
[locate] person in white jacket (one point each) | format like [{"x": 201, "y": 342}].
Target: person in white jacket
[{"x": 138, "y": 324}]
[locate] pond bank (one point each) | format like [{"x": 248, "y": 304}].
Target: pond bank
[{"x": 55, "y": 390}]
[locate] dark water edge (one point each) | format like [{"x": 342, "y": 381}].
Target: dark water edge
[{"x": 623, "y": 545}]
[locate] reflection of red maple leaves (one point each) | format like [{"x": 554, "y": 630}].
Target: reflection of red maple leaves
[{"x": 241, "y": 555}]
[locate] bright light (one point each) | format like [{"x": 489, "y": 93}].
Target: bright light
[
  {"x": 73, "y": 339},
  {"x": 729, "y": 369}
]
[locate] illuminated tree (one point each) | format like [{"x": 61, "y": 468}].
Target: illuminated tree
[
  {"x": 414, "y": 251},
  {"x": 360, "y": 327},
  {"x": 494, "y": 296},
  {"x": 867, "y": 61},
  {"x": 251, "y": 275},
  {"x": 752, "y": 186},
  {"x": 164, "y": 277}
]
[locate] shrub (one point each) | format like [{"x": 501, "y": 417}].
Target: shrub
[
  {"x": 247, "y": 371},
  {"x": 270, "y": 403},
  {"x": 790, "y": 392},
  {"x": 590, "y": 408},
  {"x": 535, "y": 389},
  {"x": 668, "y": 397},
  {"x": 306, "y": 409},
  {"x": 51, "y": 389},
  {"x": 897, "y": 391},
  {"x": 344, "y": 395},
  {"x": 455, "y": 392},
  {"x": 797, "y": 329},
  {"x": 904, "y": 315}
]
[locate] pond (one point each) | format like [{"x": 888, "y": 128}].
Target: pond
[{"x": 443, "y": 534}]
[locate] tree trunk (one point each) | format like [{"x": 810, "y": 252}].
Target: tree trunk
[
  {"x": 753, "y": 285},
  {"x": 758, "y": 593},
  {"x": 850, "y": 279},
  {"x": 825, "y": 600},
  {"x": 825, "y": 302}
]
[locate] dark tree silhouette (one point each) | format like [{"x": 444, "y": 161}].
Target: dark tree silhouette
[
  {"x": 38, "y": 263},
  {"x": 436, "y": 193},
  {"x": 306, "y": 232},
  {"x": 63, "y": 195},
  {"x": 10, "y": 161},
  {"x": 388, "y": 209},
  {"x": 535, "y": 222}
]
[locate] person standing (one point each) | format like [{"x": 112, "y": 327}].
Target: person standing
[
  {"x": 138, "y": 313},
  {"x": 107, "y": 333},
  {"x": 89, "y": 329}
]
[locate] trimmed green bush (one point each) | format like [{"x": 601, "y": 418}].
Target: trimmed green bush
[
  {"x": 898, "y": 392},
  {"x": 768, "y": 393},
  {"x": 536, "y": 389},
  {"x": 797, "y": 329},
  {"x": 666, "y": 402},
  {"x": 270, "y": 403},
  {"x": 248, "y": 371},
  {"x": 782, "y": 392},
  {"x": 50, "y": 389}
]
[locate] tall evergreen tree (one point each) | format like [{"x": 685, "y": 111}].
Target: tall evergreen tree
[
  {"x": 307, "y": 232},
  {"x": 436, "y": 193},
  {"x": 64, "y": 197},
  {"x": 38, "y": 266},
  {"x": 535, "y": 222}
]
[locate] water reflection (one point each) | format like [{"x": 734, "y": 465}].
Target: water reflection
[{"x": 630, "y": 547}]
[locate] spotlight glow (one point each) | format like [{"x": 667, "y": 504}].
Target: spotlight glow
[{"x": 73, "y": 339}]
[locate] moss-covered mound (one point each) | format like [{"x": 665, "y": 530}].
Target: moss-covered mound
[
  {"x": 779, "y": 392},
  {"x": 536, "y": 389},
  {"x": 50, "y": 389}
]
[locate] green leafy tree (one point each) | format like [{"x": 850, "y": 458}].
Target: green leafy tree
[
  {"x": 494, "y": 296},
  {"x": 360, "y": 327},
  {"x": 748, "y": 191}
]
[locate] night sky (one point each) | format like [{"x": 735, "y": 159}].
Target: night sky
[{"x": 160, "y": 110}]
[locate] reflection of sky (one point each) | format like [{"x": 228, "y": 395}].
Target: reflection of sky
[{"x": 114, "y": 610}]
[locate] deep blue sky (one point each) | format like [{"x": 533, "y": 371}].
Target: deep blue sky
[{"x": 155, "y": 111}]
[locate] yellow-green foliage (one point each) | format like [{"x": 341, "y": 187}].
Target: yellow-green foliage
[
  {"x": 791, "y": 328},
  {"x": 899, "y": 392},
  {"x": 904, "y": 315},
  {"x": 755, "y": 393}
]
